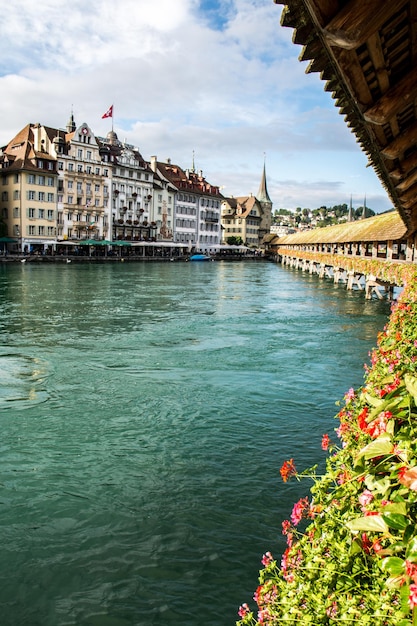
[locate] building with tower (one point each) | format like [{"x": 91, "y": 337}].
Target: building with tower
[{"x": 248, "y": 217}]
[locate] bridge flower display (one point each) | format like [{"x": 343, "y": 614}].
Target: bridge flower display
[{"x": 355, "y": 560}]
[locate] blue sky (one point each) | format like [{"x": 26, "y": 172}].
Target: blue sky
[{"x": 217, "y": 78}]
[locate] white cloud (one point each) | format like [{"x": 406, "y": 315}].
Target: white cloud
[{"x": 226, "y": 83}]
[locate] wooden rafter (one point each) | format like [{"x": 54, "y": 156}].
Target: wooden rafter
[{"x": 359, "y": 19}]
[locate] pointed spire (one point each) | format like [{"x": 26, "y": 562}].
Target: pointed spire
[
  {"x": 71, "y": 126},
  {"x": 364, "y": 209},
  {"x": 262, "y": 194},
  {"x": 350, "y": 214},
  {"x": 193, "y": 165}
]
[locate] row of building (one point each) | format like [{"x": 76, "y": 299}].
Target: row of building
[{"x": 70, "y": 185}]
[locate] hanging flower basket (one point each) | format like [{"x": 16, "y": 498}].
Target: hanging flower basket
[
  {"x": 120, "y": 221},
  {"x": 135, "y": 222},
  {"x": 141, "y": 210},
  {"x": 128, "y": 221},
  {"x": 116, "y": 192},
  {"x": 135, "y": 195}
]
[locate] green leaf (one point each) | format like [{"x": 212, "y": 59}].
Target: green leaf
[
  {"x": 379, "y": 447},
  {"x": 411, "y": 385},
  {"x": 404, "y": 595},
  {"x": 395, "y": 520},
  {"x": 393, "y": 565},
  {"x": 411, "y": 552},
  {"x": 373, "y": 523},
  {"x": 372, "y": 400},
  {"x": 396, "y": 507}
]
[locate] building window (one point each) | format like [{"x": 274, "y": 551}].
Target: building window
[
  {"x": 41, "y": 214},
  {"x": 41, "y": 196},
  {"x": 50, "y": 231},
  {"x": 50, "y": 181},
  {"x": 60, "y": 165},
  {"x": 41, "y": 230},
  {"x": 70, "y": 167},
  {"x": 50, "y": 197},
  {"x": 80, "y": 168},
  {"x": 50, "y": 214},
  {"x": 31, "y": 213},
  {"x": 80, "y": 153},
  {"x": 70, "y": 199},
  {"x": 16, "y": 211},
  {"x": 89, "y": 154},
  {"x": 31, "y": 179},
  {"x": 41, "y": 180},
  {"x": 31, "y": 230}
]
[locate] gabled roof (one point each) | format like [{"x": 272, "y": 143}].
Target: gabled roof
[
  {"x": 385, "y": 227},
  {"x": 242, "y": 206},
  {"x": 187, "y": 180}
]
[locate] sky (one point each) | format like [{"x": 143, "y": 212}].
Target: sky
[{"x": 217, "y": 81}]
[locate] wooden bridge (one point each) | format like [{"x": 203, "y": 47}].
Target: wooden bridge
[{"x": 366, "y": 54}]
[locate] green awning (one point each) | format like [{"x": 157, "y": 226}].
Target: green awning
[{"x": 7, "y": 240}]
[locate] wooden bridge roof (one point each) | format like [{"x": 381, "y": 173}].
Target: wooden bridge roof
[
  {"x": 366, "y": 52},
  {"x": 385, "y": 227}
]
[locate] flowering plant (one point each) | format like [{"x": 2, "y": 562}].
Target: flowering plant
[{"x": 356, "y": 559}]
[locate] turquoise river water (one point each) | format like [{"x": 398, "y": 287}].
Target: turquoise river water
[{"x": 145, "y": 411}]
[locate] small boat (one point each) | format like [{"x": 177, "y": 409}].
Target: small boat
[{"x": 200, "y": 257}]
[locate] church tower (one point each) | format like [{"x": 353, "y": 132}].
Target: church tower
[{"x": 266, "y": 206}]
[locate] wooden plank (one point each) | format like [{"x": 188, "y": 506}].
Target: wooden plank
[
  {"x": 395, "y": 99},
  {"x": 358, "y": 20},
  {"x": 351, "y": 69},
  {"x": 402, "y": 142},
  {"x": 407, "y": 182},
  {"x": 322, "y": 11}
]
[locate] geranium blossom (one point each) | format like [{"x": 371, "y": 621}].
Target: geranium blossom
[
  {"x": 412, "y": 599},
  {"x": 365, "y": 498},
  {"x": 243, "y": 611},
  {"x": 298, "y": 510},
  {"x": 287, "y": 470},
  {"x": 325, "y": 441},
  {"x": 408, "y": 478},
  {"x": 267, "y": 559}
]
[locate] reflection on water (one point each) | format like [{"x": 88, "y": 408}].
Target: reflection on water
[{"x": 145, "y": 412}]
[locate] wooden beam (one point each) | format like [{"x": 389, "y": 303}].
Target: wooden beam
[
  {"x": 358, "y": 20},
  {"x": 407, "y": 182},
  {"x": 402, "y": 142},
  {"x": 409, "y": 195},
  {"x": 407, "y": 166},
  {"x": 395, "y": 99}
]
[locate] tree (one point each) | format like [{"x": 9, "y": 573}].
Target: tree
[{"x": 234, "y": 241}]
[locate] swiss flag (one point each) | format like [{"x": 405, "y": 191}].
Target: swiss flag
[{"x": 108, "y": 113}]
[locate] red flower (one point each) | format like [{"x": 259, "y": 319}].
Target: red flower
[
  {"x": 287, "y": 470},
  {"x": 325, "y": 441},
  {"x": 362, "y": 423}
]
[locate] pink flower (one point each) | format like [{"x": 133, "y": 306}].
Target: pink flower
[
  {"x": 412, "y": 598},
  {"x": 267, "y": 559},
  {"x": 243, "y": 610},
  {"x": 349, "y": 395},
  {"x": 263, "y": 616},
  {"x": 298, "y": 511},
  {"x": 365, "y": 498},
  {"x": 325, "y": 442}
]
